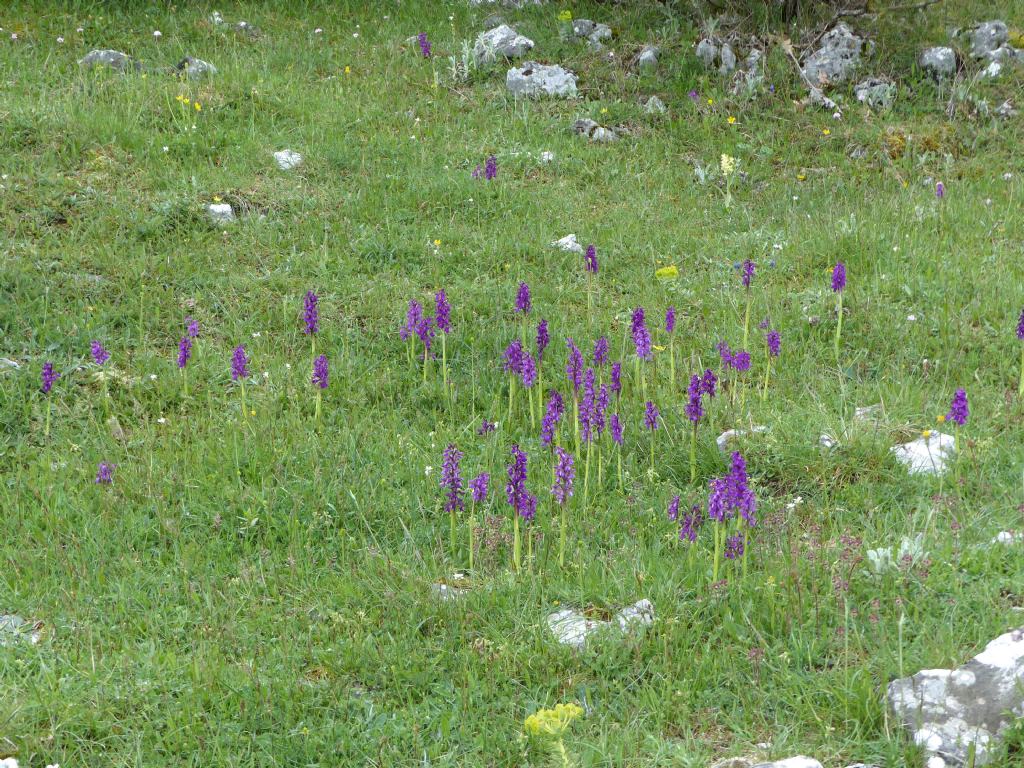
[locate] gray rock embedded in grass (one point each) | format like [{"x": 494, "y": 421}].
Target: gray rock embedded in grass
[
  {"x": 502, "y": 41},
  {"x": 220, "y": 214},
  {"x": 533, "y": 79},
  {"x": 926, "y": 455},
  {"x": 987, "y": 37},
  {"x": 287, "y": 159},
  {"x": 115, "y": 60},
  {"x": 728, "y": 60},
  {"x": 648, "y": 58},
  {"x": 194, "y": 68},
  {"x": 591, "y": 31},
  {"x": 572, "y": 628},
  {"x": 6, "y": 364},
  {"x": 707, "y": 52},
  {"x": 837, "y": 57},
  {"x": 939, "y": 62},
  {"x": 655, "y": 106},
  {"x": 569, "y": 244},
  {"x": 730, "y": 435},
  {"x": 593, "y": 131},
  {"x": 949, "y": 712},
  {"x": 876, "y": 92},
  {"x": 14, "y": 629},
  {"x": 792, "y": 762}
]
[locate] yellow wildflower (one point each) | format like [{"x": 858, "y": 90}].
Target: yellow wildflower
[
  {"x": 711, "y": 102},
  {"x": 732, "y": 120},
  {"x": 179, "y": 97},
  {"x": 216, "y": 198},
  {"x": 348, "y": 70},
  {"x": 604, "y": 110},
  {"x": 728, "y": 163},
  {"x": 926, "y": 434},
  {"x": 437, "y": 243},
  {"x": 552, "y": 722},
  {"x": 801, "y": 177},
  {"x": 941, "y": 418},
  {"x": 826, "y": 132},
  {"x": 565, "y": 16},
  {"x": 198, "y": 106},
  {"x": 667, "y": 273}
]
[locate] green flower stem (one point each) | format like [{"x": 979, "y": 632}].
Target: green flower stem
[
  {"x": 839, "y": 323},
  {"x": 693, "y": 454},
  {"x": 516, "y": 543},
  {"x": 470, "y": 522}
]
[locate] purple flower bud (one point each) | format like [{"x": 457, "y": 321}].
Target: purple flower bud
[
  {"x": 442, "y": 312},
  {"x": 748, "y": 272},
  {"x": 486, "y": 427},
  {"x": 617, "y": 378},
  {"x": 451, "y": 478},
  {"x": 641, "y": 336},
  {"x": 552, "y": 416},
  {"x": 105, "y": 474},
  {"x": 774, "y": 341},
  {"x": 734, "y": 547},
  {"x": 184, "y": 351},
  {"x": 839, "y": 277},
  {"x": 49, "y": 377},
  {"x": 523, "y": 302},
  {"x": 1020, "y": 326},
  {"x": 310, "y": 313},
  {"x": 590, "y": 260},
  {"x": 574, "y": 367},
  {"x": 670, "y": 319},
  {"x": 239, "y": 364},
  {"x": 99, "y": 354},
  {"x": 543, "y": 338},
  {"x": 425, "y": 332},
  {"x": 478, "y": 487},
  {"x": 491, "y": 168},
  {"x": 565, "y": 473},
  {"x": 708, "y": 383},
  {"x": 320, "y": 372},
  {"x": 694, "y": 409},
  {"x": 528, "y": 370},
  {"x": 601, "y": 351},
  {"x": 615, "y": 424},
  {"x": 690, "y": 524},
  {"x": 940, "y": 190},
  {"x": 412, "y": 320},
  {"x": 651, "y": 416},
  {"x": 958, "y": 410},
  {"x": 514, "y": 358},
  {"x": 673, "y": 509},
  {"x": 191, "y": 327},
  {"x": 424, "y": 44}
]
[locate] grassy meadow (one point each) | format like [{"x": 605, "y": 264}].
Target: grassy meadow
[{"x": 257, "y": 586}]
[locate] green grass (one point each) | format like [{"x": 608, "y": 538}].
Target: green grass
[{"x": 257, "y": 591}]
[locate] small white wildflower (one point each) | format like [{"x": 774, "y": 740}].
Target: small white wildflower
[
  {"x": 355, "y": 34},
  {"x": 318, "y": 31},
  {"x": 60, "y": 39},
  {"x": 14, "y": 35},
  {"x": 152, "y": 377},
  {"x": 157, "y": 33},
  {"x": 427, "y": 471},
  {"x": 256, "y": 335},
  {"x": 166, "y": 148},
  {"x": 161, "y": 420},
  {"x": 266, "y": 374},
  {"x": 287, "y": 366},
  {"x": 911, "y": 318},
  {"x": 1007, "y": 176}
]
